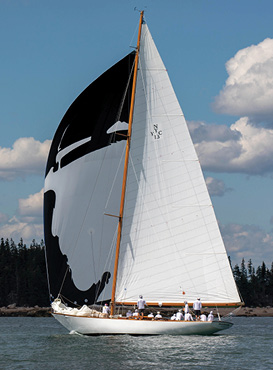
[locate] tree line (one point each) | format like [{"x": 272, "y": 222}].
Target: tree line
[
  {"x": 255, "y": 285},
  {"x": 23, "y": 277}
]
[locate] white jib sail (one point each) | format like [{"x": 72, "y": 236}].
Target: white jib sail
[{"x": 171, "y": 248}]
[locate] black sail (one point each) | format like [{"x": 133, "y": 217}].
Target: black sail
[{"x": 93, "y": 127}]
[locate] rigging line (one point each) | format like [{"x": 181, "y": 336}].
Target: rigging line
[
  {"x": 65, "y": 274},
  {"x": 135, "y": 32},
  {"x": 115, "y": 177},
  {"x": 125, "y": 92},
  {"x": 108, "y": 262},
  {"x": 47, "y": 274},
  {"x": 92, "y": 252},
  {"x": 64, "y": 298}
]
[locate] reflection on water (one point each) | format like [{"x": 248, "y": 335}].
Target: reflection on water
[{"x": 41, "y": 343}]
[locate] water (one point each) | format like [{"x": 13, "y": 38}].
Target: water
[{"x": 41, "y": 343}]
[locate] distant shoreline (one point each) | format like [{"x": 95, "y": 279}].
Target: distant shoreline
[{"x": 13, "y": 311}]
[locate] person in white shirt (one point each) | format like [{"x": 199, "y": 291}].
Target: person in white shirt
[
  {"x": 188, "y": 317},
  {"x": 197, "y": 305},
  {"x": 173, "y": 317},
  {"x": 136, "y": 314},
  {"x": 203, "y": 317},
  {"x": 106, "y": 309},
  {"x": 158, "y": 316},
  {"x": 141, "y": 303},
  {"x": 186, "y": 308},
  {"x": 151, "y": 314},
  {"x": 210, "y": 317},
  {"x": 129, "y": 313},
  {"x": 179, "y": 315}
]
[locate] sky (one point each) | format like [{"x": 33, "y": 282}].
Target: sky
[{"x": 219, "y": 55}]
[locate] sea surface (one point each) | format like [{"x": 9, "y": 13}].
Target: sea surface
[{"x": 42, "y": 343}]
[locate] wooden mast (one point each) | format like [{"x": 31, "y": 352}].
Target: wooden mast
[{"x": 126, "y": 161}]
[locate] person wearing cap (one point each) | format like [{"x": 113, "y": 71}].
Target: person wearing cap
[
  {"x": 179, "y": 315},
  {"x": 173, "y": 317},
  {"x": 186, "y": 308},
  {"x": 210, "y": 316},
  {"x": 203, "y": 317},
  {"x": 136, "y": 314},
  {"x": 158, "y": 316},
  {"x": 106, "y": 309},
  {"x": 197, "y": 305},
  {"x": 151, "y": 314},
  {"x": 141, "y": 303}
]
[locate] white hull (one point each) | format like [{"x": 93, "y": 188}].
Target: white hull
[{"x": 107, "y": 326}]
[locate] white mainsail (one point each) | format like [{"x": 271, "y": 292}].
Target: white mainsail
[{"x": 171, "y": 247}]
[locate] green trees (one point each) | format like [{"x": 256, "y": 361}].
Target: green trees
[
  {"x": 256, "y": 287},
  {"x": 23, "y": 274},
  {"x": 23, "y": 278}
]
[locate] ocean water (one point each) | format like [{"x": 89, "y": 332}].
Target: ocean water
[{"x": 42, "y": 343}]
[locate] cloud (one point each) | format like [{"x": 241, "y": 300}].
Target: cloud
[
  {"x": 28, "y": 223},
  {"x": 241, "y": 148},
  {"x": 27, "y": 156},
  {"x": 248, "y": 91},
  {"x": 216, "y": 187},
  {"x": 16, "y": 230},
  {"x": 3, "y": 218},
  {"x": 32, "y": 206},
  {"x": 203, "y": 132},
  {"x": 248, "y": 242}
]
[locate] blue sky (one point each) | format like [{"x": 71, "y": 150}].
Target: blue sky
[{"x": 219, "y": 55}]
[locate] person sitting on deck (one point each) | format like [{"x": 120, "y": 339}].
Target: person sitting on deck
[
  {"x": 106, "y": 309},
  {"x": 203, "y": 317},
  {"x": 158, "y": 316},
  {"x": 129, "y": 313},
  {"x": 188, "y": 317},
  {"x": 151, "y": 314},
  {"x": 173, "y": 316},
  {"x": 136, "y": 314},
  {"x": 179, "y": 315},
  {"x": 210, "y": 317}
]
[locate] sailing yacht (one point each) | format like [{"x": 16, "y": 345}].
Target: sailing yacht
[{"x": 127, "y": 210}]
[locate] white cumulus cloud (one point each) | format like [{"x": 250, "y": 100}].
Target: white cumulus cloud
[
  {"x": 28, "y": 223},
  {"x": 27, "y": 156},
  {"x": 33, "y": 205},
  {"x": 240, "y": 148},
  {"x": 248, "y": 91}
]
